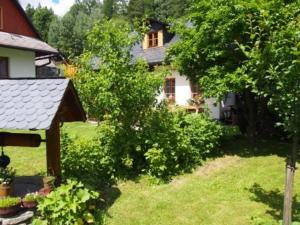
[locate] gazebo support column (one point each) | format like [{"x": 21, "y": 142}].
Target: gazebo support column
[{"x": 53, "y": 150}]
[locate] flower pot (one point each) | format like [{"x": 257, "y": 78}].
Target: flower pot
[
  {"x": 29, "y": 204},
  {"x": 10, "y": 211},
  {"x": 5, "y": 190}
]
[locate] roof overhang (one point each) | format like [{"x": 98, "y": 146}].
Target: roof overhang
[
  {"x": 33, "y": 104},
  {"x": 26, "y": 43}
]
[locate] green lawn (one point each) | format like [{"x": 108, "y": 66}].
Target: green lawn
[
  {"x": 32, "y": 161},
  {"x": 240, "y": 187}
]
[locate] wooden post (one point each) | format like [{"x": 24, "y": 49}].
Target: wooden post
[
  {"x": 290, "y": 172},
  {"x": 53, "y": 150}
]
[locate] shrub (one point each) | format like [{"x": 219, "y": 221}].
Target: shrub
[
  {"x": 9, "y": 202},
  {"x": 70, "y": 204},
  {"x": 167, "y": 150},
  {"x": 88, "y": 160},
  {"x": 203, "y": 132}
]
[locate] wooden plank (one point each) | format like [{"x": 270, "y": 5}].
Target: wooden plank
[
  {"x": 22, "y": 140},
  {"x": 53, "y": 150}
]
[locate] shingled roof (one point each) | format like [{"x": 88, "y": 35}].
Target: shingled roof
[
  {"x": 153, "y": 55},
  {"x": 33, "y": 103},
  {"x": 26, "y": 43}
]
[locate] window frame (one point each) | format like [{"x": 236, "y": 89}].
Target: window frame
[
  {"x": 152, "y": 40},
  {"x": 1, "y": 19},
  {"x": 6, "y": 60},
  {"x": 170, "y": 83}
]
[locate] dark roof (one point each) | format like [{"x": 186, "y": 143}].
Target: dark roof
[
  {"x": 27, "y": 43},
  {"x": 153, "y": 55},
  {"x": 34, "y": 103}
]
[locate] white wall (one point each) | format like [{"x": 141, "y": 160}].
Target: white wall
[
  {"x": 21, "y": 63},
  {"x": 183, "y": 93}
]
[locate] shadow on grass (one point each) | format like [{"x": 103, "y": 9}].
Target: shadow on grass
[
  {"x": 274, "y": 199},
  {"x": 240, "y": 146}
]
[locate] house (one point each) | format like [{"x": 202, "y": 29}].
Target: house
[
  {"x": 22, "y": 51},
  {"x": 177, "y": 86}
]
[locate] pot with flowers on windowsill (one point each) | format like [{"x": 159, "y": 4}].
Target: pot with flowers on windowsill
[{"x": 7, "y": 176}]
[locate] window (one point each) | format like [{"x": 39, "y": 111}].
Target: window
[
  {"x": 1, "y": 18},
  {"x": 170, "y": 88},
  {"x": 195, "y": 90},
  {"x": 153, "y": 39},
  {"x": 3, "y": 67}
]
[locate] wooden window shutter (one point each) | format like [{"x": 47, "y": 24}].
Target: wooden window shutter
[{"x": 160, "y": 38}]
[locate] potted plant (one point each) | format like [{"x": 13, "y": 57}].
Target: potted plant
[
  {"x": 30, "y": 201},
  {"x": 9, "y": 206},
  {"x": 6, "y": 178}
]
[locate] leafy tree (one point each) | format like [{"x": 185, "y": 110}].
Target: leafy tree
[
  {"x": 141, "y": 8},
  {"x": 119, "y": 88},
  {"x": 250, "y": 48},
  {"x": 30, "y": 10},
  {"x": 171, "y": 9},
  {"x": 68, "y": 33},
  {"x": 283, "y": 89},
  {"x": 41, "y": 18},
  {"x": 108, "y": 8}
]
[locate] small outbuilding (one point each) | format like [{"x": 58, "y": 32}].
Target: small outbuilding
[{"x": 38, "y": 104}]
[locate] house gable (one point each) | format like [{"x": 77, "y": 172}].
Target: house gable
[{"x": 14, "y": 20}]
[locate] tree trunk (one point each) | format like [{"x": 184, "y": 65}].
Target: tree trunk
[
  {"x": 290, "y": 172},
  {"x": 251, "y": 116}
]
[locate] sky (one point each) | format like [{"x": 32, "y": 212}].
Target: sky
[{"x": 60, "y": 7}]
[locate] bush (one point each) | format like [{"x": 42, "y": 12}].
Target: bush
[
  {"x": 88, "y": 160},
  {"x": 167, "y": 150},
  {"x": 165, "y": 143},
  {"x": 70, "y": 204},
  {"x": 204, "y": 133}
]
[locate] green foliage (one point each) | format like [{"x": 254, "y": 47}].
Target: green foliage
[
  {"x": 89, "y": 160},
  {"x": 31, "y": 197},
  {"x": 116, "y": 86},
  {"x": 68, "y": 33},
  {"x": 41, "y": 18},
  {"x": 203, "y": 133},
  {"x": 9, "y": 202},
  {"x": 7, "y": 175},
  {"x": 70, "y": 204},
  {"x": 157, "y": 9}
]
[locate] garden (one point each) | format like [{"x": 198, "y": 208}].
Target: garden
[{"x": 144, "y": 161}]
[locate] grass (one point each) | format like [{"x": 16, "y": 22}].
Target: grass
[
  {"x": 32, "y": 161},
  {"x": 243, "y": 185}
]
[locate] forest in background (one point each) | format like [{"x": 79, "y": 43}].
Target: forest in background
[{"x": 68, "y": 33}]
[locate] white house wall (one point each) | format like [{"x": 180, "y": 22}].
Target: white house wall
[
  {"x": 183, "y": 94},
  {"x": 21, "y": 63}
]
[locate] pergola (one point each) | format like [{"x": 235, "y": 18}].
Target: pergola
[{"x": 38, "y": 104}]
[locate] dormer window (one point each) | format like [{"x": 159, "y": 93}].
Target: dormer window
[
  {"x": 153, "y": 39},
  {"x": 1, "y": 18}
]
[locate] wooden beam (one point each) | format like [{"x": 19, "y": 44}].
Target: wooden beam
[
  {"x": 22, "y": 140},
  {"x": 53, "y": 149}
]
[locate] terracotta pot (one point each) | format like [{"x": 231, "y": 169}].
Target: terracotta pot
[
  {"x": 10, "y": 211},
  {"x": 29, "y": 204},
  {"x": 5, "y": 190}
]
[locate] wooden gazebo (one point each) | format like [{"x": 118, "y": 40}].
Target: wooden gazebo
[{"x": 38, "y": 104}]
